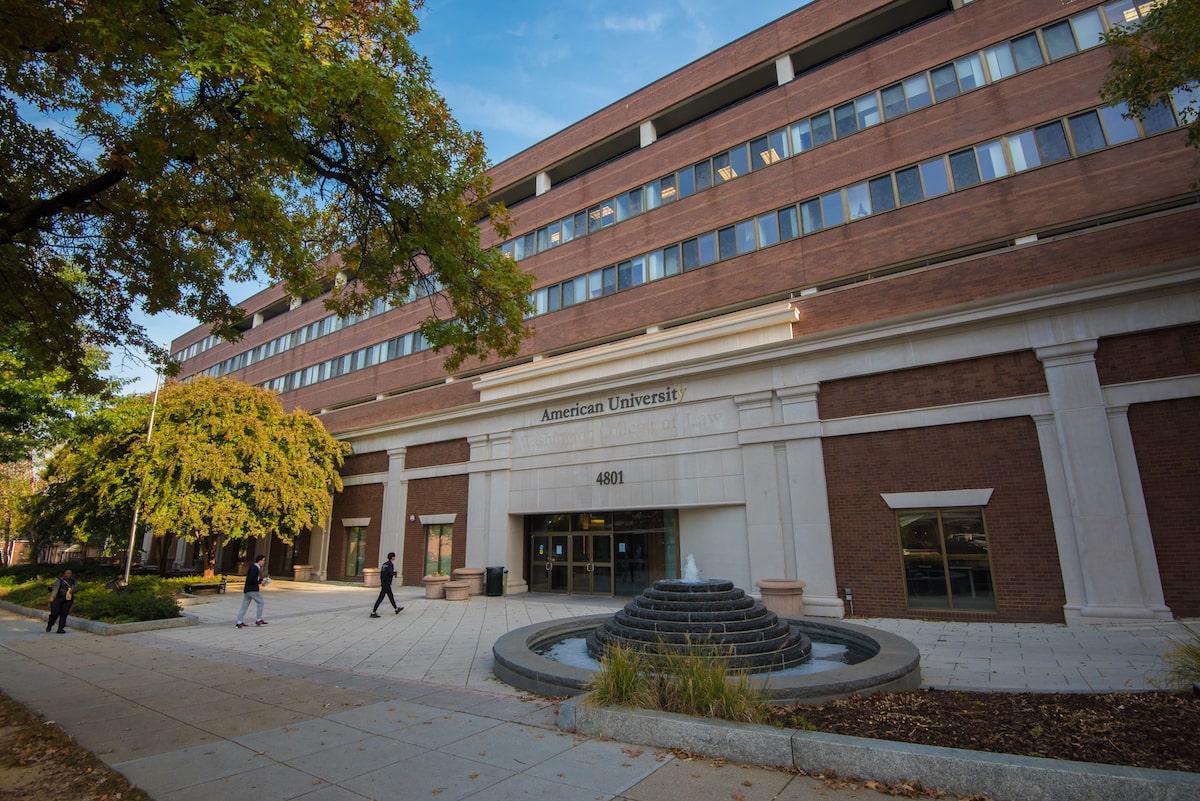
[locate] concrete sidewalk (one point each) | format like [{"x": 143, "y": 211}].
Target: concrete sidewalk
[{"x": 326, "y": 704}]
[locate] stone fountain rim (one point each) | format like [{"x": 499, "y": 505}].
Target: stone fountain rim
[{"x": 894, "y": 664}]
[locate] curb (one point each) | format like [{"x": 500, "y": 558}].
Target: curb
[
  {"x": 1001, "y": 776},
  {"x": 109, "y": 629}
]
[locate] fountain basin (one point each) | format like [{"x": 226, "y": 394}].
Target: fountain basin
[{"x": 893, "y": 663}]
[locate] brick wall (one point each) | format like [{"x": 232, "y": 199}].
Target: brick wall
[
  {"x": 433, "y": 496},
  {"x": 1002, "y": 454},
  {"x": 365, "y": 500},
  {"x": 1003, "y": 376},
  {"x": 358, "y": 464},
  {"x": 1146, "y": 355},
  {"x": 453, "y": 451},
  {"x": 1166, "y": 436}
]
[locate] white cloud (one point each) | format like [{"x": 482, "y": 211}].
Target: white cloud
[
  {"x": 516, "y": 120},
  {"x": 650, "y": 23}
]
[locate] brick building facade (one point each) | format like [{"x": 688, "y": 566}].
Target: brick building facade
[{"x": 880, "y": 296}]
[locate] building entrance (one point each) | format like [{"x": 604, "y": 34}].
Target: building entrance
[{"x": 601, "y": 553}]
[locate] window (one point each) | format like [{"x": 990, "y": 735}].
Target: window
[
  {"x": 946, "y": 559},
  {"x": 687, "y": 182},
  {"x": 970, "y": 73},
  {"x": 963, "y": 169},
  {"x": 1000, "y": 61},
  {"x": 704, "y": 179},
  {"x": 991, "y": 160},
  {"x": 1087, "y": 133},
  {"x": 858, "y": 199},
  {"x": 727, "y": 242},
  {"x": 1024, "y": 151},
  {"x": 867, "y": 109},
  {"x": 893, "y": 101},
  {"x": 1060, "y": 42},
  {"x": 1027, "y": 52},
  {"x": 439, "y": 545},
  {"x": 916, "y": 92},
  {"x": 769, "y": 149},
  {"x": 1052, "y": 142},
  {"x": 822, "y": 128},
  {"x": 1158, "y": 117},
  {"x": 356, "y": 550},
  {"x": 883, "y": 197},
  {"x": 908, "y": 183},
  {"x": 945, "y": 82},
  {"x": 789, "y": 226},
  {"x": 745, "y": 236},
  {"x": 833, "y": 211},
  {"x": 801, "y": 136},
  {"x": 810, "y": 216},
  {"x": 1088, "y": 29},
  {"x": 844, "y": 120},
  {"x": 768, "y": 229},
  {"x": 933, "y": 175}
]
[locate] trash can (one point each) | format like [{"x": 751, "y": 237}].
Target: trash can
[{"x": 495, "y": 581}]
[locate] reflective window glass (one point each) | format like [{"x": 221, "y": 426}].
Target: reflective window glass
[
  {"x": 637, "y": 271},
  {"x": 610, "y": 280},
  {"x": 708, "y": 248},
  {"x": 635, "y": 202},
  {"x": 543, "y": 239},
  {"x": 624, "y": 275},
  {"x": 539, "y": 301},
  {"x": 1000, "y": 61},
  {"x": 1187, "y": 104},
  {"x": 667, "y": 188},
  {"x": 555, "y": 234},
  {"x": 1060, "y": 42},
  {"x": 758, "y": 152},
  {"x": 933, "y": 175},
  {"x": 810, "y": 216},
  {"x": 970, "y": 72},
  {"x": 822, "y": 128},
  {"x": 518, "y": 249},
  {"x": 858, "y": 200},
  {"x": 1027, "y": 52},
  {"x": 596, "y": 284},
  {"x": 579, "y": 291},
  {"x": 945, "y": 82},
  {"x": 1122, "y": 13},
  {"x": 622, "y": 205},
  {"x": 703, "y": 175},
  {"x": 916, "y": 92},
  {"x": 768, "y": 229},
  {"x": 801, "y": 136},
  {"x": 653, "y": 195},
  {"x": 555, "y": 295},
  {"x": 908, "y": 183},
  {"x": 883, "y": 198},
  {"x": 844, "y": 120},
  {"x": 580, "y": 224},
  {"x": 963, "y": 169},
  {"x": 691, "y": 254},
  {"x": 789, "y": 225},
  {"x": 745, "y": 236},
  {"x": 594, "y": 215},
  {"x": 867, "y": 110},
  {"x": 1052, "y": 142},
  {"x": 722, "y": 169},
  {"x": 654, "y": 264},
  {"x": 671, "y": 261},
  {"x": 1087, "y": 133},
  {"x": 991, "y": 160},
  {"x": 739, "y": 160},
  {"x": 1024, "y": 151},
  {"x": 832, "y": 211},
  {"x": 568, "y": 294},
  {"x": 727, "y": 243},
  {"x": 530, "y": 243},
  {"x": 778, "y": 142},
  {"x": 1117, "y": 126},
  {"x": 568, "y": 229},
  {"x": 1088, "y": 28},
  {"x": 893, "y": 101},
  {"x": 1158, "y": 117},
  {"x": 687, "y": 182}
]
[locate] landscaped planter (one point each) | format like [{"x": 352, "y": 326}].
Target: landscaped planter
[
  {"x": 301, "y": 572},
  {"x": 473, "y": 576},
  {"x": 435, "y": 586},
  {"x": 457, "y": 590},
  {"x": 784, "y": 597}
]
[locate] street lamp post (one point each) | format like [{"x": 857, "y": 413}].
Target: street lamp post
[{"x": 137, "y": 504}]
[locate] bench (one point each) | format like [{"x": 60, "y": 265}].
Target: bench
[{"x": 215, "y": 584}]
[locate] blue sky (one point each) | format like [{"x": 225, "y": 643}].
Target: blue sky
[{"x": 520, "y": 71}]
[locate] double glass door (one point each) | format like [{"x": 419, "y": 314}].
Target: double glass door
[{"x": 579, "y": 563}]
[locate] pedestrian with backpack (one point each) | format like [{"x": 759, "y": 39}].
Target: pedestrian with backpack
[
  {"x": 62, "y": 597},
  {"x": 387, "y": 572}
]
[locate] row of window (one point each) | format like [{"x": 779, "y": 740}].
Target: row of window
[
  {"x": 1054, "y": 141},
  {"x": 1060, "y": 139},
  {"x": 1050, "y": 43}
]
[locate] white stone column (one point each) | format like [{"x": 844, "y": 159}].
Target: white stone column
[
  {"x": 494, "y": 537},
  {"x": 785, "y": 72},
  {"x": 811, "y": 529},
  {"x": 395, "y": 511},
  {"x": 761, "y": 466},
  {"x": 1061, "y": 517},
  {"x": 318, "y": 550},
  {"x": 1104, "y": 539},
  {"x": 647, "y": 133}
]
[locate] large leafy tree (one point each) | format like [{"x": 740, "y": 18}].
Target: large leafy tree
[
  {"x": 223, "y": 462},
  {"x": 1156, "y": 58},
  {"x": 151, "y": 150}
]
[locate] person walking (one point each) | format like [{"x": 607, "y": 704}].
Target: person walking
[
  {"x": 62, "y": 597},
  {"x": 253, "y": 592},
  {"x": 387, "y": 572}
]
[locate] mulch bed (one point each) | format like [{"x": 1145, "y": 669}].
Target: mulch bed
[{"x": 1146, "y": 730}]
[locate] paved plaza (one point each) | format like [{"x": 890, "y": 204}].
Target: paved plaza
[{"x": 327, "y": 704}]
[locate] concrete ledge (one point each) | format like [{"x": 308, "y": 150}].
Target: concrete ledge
[
  {"x": 1001, "y": 776},
  {"x": 108, "y": 629}
]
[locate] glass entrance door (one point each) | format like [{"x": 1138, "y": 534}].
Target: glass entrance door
[
  {"x": 592, "y": 564},
  {"x": 548, "y": 565}
]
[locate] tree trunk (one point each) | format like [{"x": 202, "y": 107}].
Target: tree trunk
[{"x": 210, "y": 556}]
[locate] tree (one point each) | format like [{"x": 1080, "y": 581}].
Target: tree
[
  {"x": 150, "y": 151},
  {"x": 224, "y": 462},
  {"x": 1156, "y": 59}
]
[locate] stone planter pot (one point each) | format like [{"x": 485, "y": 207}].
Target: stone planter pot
[
  {"x": 435, "y": 586},
  {"x": 473, "y": 576},
  {"x": 302, "y": 572},
  {"x": 370, "y": 577},
  {"x": 784, "y": 597},
  {"x": 457, "y": 590}
]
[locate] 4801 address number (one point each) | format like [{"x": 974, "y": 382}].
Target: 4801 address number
[{"x": 609, "y": 477}]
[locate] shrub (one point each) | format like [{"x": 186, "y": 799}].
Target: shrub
[
  {"x": 622, "y": 680},
  {"x": 1183, "y": 660},
  {"x": 145, "y": 597}
]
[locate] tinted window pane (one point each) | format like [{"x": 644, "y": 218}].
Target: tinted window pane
[
  {"x": 801, "y": 136},
  {"x": 1086, "y": 131},
  {"x": 722, "y": 169},
  {"x": 1059, "y": 40},
  {"x": 610, "y": 280},
  {"x": 1158, "y": 118},
  {"x": 832, "y": 212},
  {"x": 934, "y": 175},
  {"x": 1187, "y": 104},
  {"x": 708, "y": 248},
  {"x": 624, "y": 275},
  {"x": 882, "y": 196},
  {"x": 844, "y": 120},
  {"x": 991, "y": 160},
  {"x": 867, "y": 109},
  {"x": 703, "y": 175},
  {"x": 727, "y": 242},
  {"x": 1121, "y": 13},
  {"x": 1116, "y": 125},
  {"x": 671, "y": 260},
  {"x": 945, "y": 82},
  {"x": 1027, "y": 52},
  {"x": 893, "y": 101},
  {"x": 595, "y": 283},
  {"x": 687, "y": 182},
  {"x": 555, "y": 298},
  {"x": 916, "y": 92},
  {"x": 1088, "y": 29},
  {"x": 635, "y": 201},
  {"x": 653, "y": 195},
  {"x": 1052, "y": 142},
  {"x": 858, "y": 200},
  {"x": 760, "y": 153},
  {"x": 768, "y": 230},
  {"x": 745, "y": 236},
  {"x": 789, "y": 226},
  {"x": 739, "y": 160},
  {"x": 668, "y": 188},
  {"x": 908, "y": 182},
  {"x": 970, "y": 73},
  {"x": 810, "y": 216},
  {"x": 691, "y": 254},
  {"x": 1024, "y": 151},
  {"x": 623, "y": 207},
  {"x": 580, "y": 224},
  {"x": 1000, "y": 61},
  {"x": 779, "y": 147},
  {"x": 964, "y": 169},
  {"x": 822, "y": 128},
  {"x": 655, "y": 265}
]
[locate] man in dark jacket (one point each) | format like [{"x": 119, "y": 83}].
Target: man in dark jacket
[
  {"x": 387, "y": 572},
  {"x": 62, "y": 596},
  {"x": 251, "y": 592}
]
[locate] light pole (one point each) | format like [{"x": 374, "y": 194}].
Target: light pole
[{"x": 137, "y": 504}]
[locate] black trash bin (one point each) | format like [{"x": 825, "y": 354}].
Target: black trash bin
[{"x": 495, "y": 581}]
